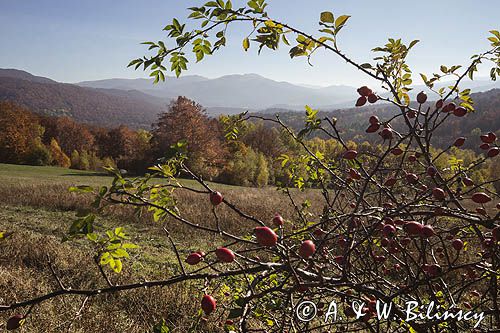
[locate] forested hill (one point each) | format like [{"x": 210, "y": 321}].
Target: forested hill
[
  {"x": 354, "y": 121},
  {"x": 18, "y": 74},
  {"x": 106, "y": 107},
  {"x": 111, "y": 106}
]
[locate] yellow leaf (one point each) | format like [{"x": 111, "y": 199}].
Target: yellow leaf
[
  {"x": 118, "y": 266},
  {"x": 341, "y": 20}
]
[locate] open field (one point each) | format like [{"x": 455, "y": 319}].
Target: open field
[
  {"x": 36, "y": 210},
  {"x": 11, "y": 174}
]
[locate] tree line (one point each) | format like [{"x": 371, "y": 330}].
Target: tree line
[
  {"x": 254, "y": 160},
  {"x": 29, "y": 138}
]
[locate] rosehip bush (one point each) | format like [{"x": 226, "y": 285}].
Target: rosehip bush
[{"x": 394, "y": 226}]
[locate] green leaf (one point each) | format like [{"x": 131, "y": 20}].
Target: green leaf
[
  {"x": 270, "y": 24},
  {"x": 413, "y": 43},
  {"x": 92, "y": 236},
  {"x": 81, "y": 189},
  {"x": 105, "y": 258},
  {"x": 113, "y": 246},
  {"x": 199, "y": 56},
  {"x": 83, "y": 225},
  {"x": 496, "y": 33},
  {"x": 134, "y": 62},
  {"x": 120, "y": 253},
  {"x": 327, "y": 17},
  {"x": 341, "y": 20},
  {"x": 211, "y": 4},
  {"x": 119, "y": 231}
]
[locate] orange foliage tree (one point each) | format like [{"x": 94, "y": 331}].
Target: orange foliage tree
[
  {"x": 19, "y": 134},
  {"x": 69, "y": 134},
  {"x": 186, "y": 121}
]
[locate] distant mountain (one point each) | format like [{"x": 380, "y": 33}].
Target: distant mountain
[
  {"x": 145, "y": 85},
  {"x": 254, "y": 92},
  {"x": 135, "y": 95},
  {"x": 106, "y": 107},
  {"x": 247, "y": 91},
  {"x": 18, "y": 74},
  {"x": 137, "y": 102}
]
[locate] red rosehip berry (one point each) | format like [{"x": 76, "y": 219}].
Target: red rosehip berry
[
  {"x": 307, "y": 249},
  {"x": 265, "y": 236},
  {"x": 364, "y": 91},
  {"x": 421, "y": 97},
  {"x": 373, "y": 120},
  {"x": 386, "y": 134},
  {"x": 481, "y": 198},
  {"x": 216, "y": 198},
  {"x": 278, "y": 220},
  {"x": 361, "y": 101},
  {"x": 225, "y": 254},
  {"x": 193, "y": 258},
  {"x": 459, "y": 142},
  {"x": 350, "y": 154},
  {"x": 208, "y": 304},
  {"x": 460, "y": 111},
  {"x": 372, "y": 128},
  {"x": 372, "y": 98}
]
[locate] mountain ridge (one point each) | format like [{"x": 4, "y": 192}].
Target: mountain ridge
[
  {"x": 24, "y": 75},
  {"x": 235, "y": 91},
  {"x": 257, "y": 92},
  {"x": 139, "y": 102}
]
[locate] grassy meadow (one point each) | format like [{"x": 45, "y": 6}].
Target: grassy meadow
[{"x": 36, "y": 210}]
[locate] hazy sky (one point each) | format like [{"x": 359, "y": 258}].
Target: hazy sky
[{"x": 77, "y": 40}]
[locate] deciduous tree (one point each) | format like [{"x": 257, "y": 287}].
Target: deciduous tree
[{"x": 186, "y": 121}]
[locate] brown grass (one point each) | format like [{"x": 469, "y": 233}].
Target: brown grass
[
  {"x": 39, "y": 214},
  {"x": 24, "y": 273}
]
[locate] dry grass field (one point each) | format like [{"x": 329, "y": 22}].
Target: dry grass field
[{"x": 37, "y": 209}]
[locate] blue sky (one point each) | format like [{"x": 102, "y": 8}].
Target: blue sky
[{"x": 72, "y": 41}]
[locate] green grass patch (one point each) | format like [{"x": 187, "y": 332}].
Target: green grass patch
[{"x": 11, "y": 174}]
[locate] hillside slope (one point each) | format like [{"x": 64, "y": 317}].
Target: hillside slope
[
  {"x": 106, "y": 107},
  {"x": 18, "y": 74},
  {"x": 354, "y": 121}
]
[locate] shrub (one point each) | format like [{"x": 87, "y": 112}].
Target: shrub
[{"x": 393, "y": 227}]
